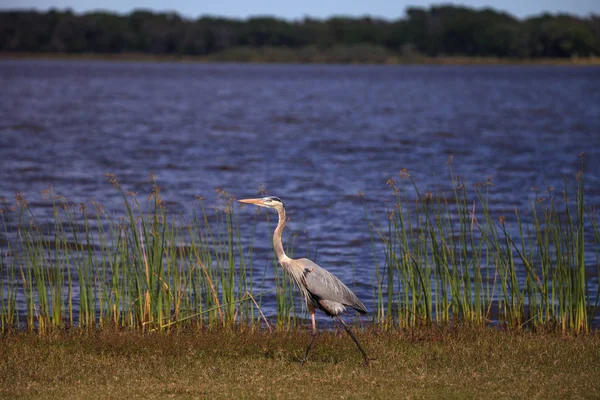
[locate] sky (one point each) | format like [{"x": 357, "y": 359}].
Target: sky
[{"x": 388, "y": 9}]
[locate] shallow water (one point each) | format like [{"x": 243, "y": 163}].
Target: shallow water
[{"x": 313, "y": 135}]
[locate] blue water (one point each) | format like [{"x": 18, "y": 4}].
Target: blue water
[{"x": 313, "y": 135}]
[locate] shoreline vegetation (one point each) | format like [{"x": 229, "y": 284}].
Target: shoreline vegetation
[
  {"x": 440, "y": 257},
  {"x": 443, "y": 34},
  {"x": 302, "y": 56}
]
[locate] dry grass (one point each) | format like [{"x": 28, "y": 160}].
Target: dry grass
[{"x": 464, "y": 363}]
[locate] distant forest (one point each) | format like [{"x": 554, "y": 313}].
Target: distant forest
[{"x": 434, "y": 32}]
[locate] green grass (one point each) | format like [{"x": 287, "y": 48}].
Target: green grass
[{"x": 224, "y": 363}]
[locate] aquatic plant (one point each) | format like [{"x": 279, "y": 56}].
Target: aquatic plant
[
  {"x": 449, "y": 259},
  {"x": 440, "y": 256},
  {"x": 145, "y": 269}
]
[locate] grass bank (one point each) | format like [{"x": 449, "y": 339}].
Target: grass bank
[{"x": 415, "y": 363}]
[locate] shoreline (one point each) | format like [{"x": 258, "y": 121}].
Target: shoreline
[{"x": 262, "y": 56}]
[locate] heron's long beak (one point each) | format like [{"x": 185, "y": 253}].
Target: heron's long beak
[{"x": 257, "y": 202}]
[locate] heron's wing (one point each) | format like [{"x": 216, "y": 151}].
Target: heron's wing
[{"x": 323, "y": 285}]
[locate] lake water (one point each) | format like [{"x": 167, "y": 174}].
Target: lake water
[{"x": 313, "y": 135}]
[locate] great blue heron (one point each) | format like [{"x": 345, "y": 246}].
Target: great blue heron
[{"x": 321, "y": 289}]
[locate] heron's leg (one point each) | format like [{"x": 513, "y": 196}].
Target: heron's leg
[
  {"x": 347, "y": 328},
  {"x": 312, "y": 339}
]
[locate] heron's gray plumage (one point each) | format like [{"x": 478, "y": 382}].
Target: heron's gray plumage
[{"x": 326, "y": 291}]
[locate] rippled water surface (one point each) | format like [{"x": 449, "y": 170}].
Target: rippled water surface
[{"x": 313, "y": 135}]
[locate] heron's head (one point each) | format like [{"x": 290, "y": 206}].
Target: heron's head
[{"x": 269, "y": 202}]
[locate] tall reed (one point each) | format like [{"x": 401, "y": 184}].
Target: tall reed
[
  {"x": 439, "y": 256},
  {"x": 144, "y": 269},
  {"x": 449, "y": 259}
]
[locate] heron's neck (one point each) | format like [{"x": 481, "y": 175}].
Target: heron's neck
[{"x": 277, "y": 244}]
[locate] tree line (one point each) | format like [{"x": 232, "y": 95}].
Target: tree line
[{"x": 434, "y": 31}]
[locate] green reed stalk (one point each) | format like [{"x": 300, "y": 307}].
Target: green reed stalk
[
  {"x": 8, "y": 306},
  {"x": 580, "y": 300},
  {"x": 377, "y": 292}
]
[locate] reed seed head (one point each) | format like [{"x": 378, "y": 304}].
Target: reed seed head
[{"x": 404, "y": 174}]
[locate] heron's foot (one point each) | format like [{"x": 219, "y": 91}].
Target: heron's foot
[
  {"x": 368, "y": 360},
  {"x": 310, "y": 345}
]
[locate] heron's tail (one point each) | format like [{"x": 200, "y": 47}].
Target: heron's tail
[{"x": 359, "y": 307}]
